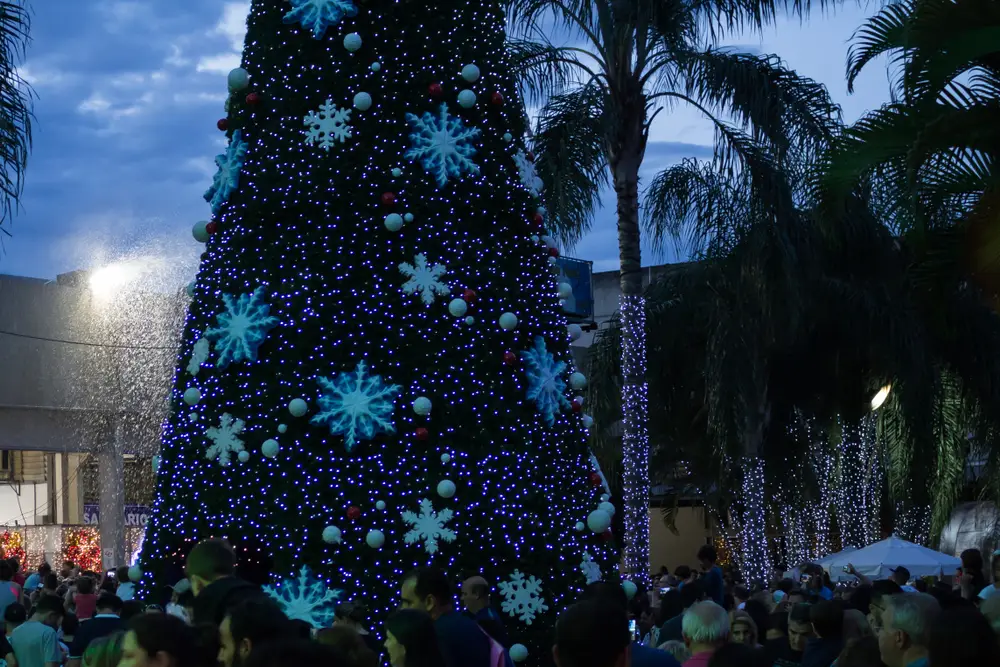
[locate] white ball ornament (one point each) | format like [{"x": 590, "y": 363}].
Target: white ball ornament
[
  {"x": 518, "y": 652},
  {"x": 534, "y": 238},
  {"x": 376, "y": 66},
  {"x": 607, "y": 507},
  {"x": 446, "y": 488},
  {"x": 407, "y": 217},
  {"x": 298, "y": 407},
  {"x": 200, "y": 231},
  {"x": 470, "y": 73},
  {"x": 362, "y": 101},
  {"x": 445, "y": 458},
  {"x": 192, "y": 396},
  {"x": 352, "y": 42},
  {"x": 578, "y": 400},
  {"x": 574, "y": 331},
  {"x": 579, "y": 526},
  {"x": 380, "y": 505},
  {"x": 605, "y": 497},
  {"x": 552, "y": 261},
  {"x": 588, "y": 421},
  {"x": 397, "y": 172},
  {"x": 394, "y": 222},
  {"x": 331, "y": 535},
  {"x": 565, "y": 290},
  {"x": 238, "y": 79},
  {"x": 243, "y": 456},
  {"x": 135, "y": 573},
  {"x": 422, "y": 406},
  {"x": 630, "y": 589},
  {"x": 467, "y": 99},
  {"x": 508, "y": 137},
  {"x": 270, "y": 448},
  {"x": 375, "y": 539},
  {"x": 282, "y": 428},
  {"x": 508, "y": 321},
  {"x": 156, "y": 463},
  {"x": 193, "y": 417},
  {"x": 578, "y": 381},
  {"x": 470, "y": 320},
  {"x": 458, "y": 307},
  {"x": 541, "y": 210},
  {"x": 598, "y": 521}
]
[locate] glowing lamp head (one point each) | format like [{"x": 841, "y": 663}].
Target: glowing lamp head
[{"x": 879, "y": 398}]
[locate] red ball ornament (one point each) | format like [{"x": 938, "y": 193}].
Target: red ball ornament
[
  {"x": 577, "y": 407},
  {"x": 223, "y": 124},
  {"x": 212, "y": 227},
  {"x": 531, "y": 156},
  {"x": 553, "y": 252},
  {"x": 469, "y": 296},
  {"x": 607, "y": 535},
  {"x": 253, "y": 99},
  {"x": 537, "y": 220},
  {"x": 595, "y": 479},
  {"x": 422, "y": 433},
  {"x": 435, "y": 89},
  {"x": 353, "y": 513},
  {"x": 388, "y": 198},
  {"x": 509, "y": 358},
  {"x": 496, "y": 99}
]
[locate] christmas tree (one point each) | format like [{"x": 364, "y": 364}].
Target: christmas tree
[{"x": 375, "y": 372}]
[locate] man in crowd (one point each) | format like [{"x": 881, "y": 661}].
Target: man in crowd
[
  {"x": 462, "y": 642},
  {"x": 901, "y": 576},
  {"x": 882, "y": 590},
  {"x": 106, "y": 621},
  {"x": 706, "y": 630},
  {"x": 671, "y": 629},
  {"x": 827, "y": 618},
  {"x": 36, "y": 642},
  {"x": 249, "y": 625},
  {"x": 787, "y": 651},
  {"x": 476, "y": 598},
  {"x": 711, "y": 582},
  {"x": 37, "y": 578},
  {"x": 906, "y": 628},
  {"x": 593, "y": 633},
  {"x": 614, "y": 594},
  {"x": 211, "y": 568}
]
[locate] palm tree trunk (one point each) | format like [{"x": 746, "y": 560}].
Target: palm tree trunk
[{"x": 635, "y": 438}]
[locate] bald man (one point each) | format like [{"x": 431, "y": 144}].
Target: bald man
[{"x": 476, "y": 598}]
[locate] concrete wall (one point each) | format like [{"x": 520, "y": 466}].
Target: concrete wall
[{"x": 666, "y": 548}]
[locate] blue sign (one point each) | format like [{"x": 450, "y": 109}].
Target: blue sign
[
  {"x": 135, "y": 515},
  {"x": 579, "y": 274}
]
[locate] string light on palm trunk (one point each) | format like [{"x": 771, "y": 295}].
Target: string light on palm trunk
[{"x": 635, "y": 445}]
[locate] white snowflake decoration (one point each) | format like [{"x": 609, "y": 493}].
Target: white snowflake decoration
[
  {"x": 591, "y": 570},
  {"x": 546, "y": 386},
  {"x": 199, "y": 355},
  {"x": 227, "y": 179},
  {"x": 442, "y": 144},
  {"x": 522, "y": 597},
  {"x": 429, "y": 526},
  {"x": 596, "y": 466},
  {"x": 327, "y": 126},
  {"x": 225, "y": 442},
  {"x": 243, "y": 327},
  {"x": 424, "y": 279},
  {"x": 318, "y": 15},
  {"x": 306, "y": 598},
  {"x": 356, "y": 405},
  {"x": 526, "y": 171}
]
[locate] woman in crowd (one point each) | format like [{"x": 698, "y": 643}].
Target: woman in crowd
[
  {"x": 410, "y": 640},
  {"x": 349, "y": 644},
  {"x": 742, "y": 629},
  {"x": 353, "y": 615}
]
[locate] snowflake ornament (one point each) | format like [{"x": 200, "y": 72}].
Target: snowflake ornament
[
  {"x": 429, "y": 526},
  {"x": 224, "y": 439},
  {"x": 356, "y": 405},
  {"x": 199, "y": 355},
  {"x": 591, "y": 570},
  {"x": 318, "y": 15},
  {"x": 306, "y": 598},
  {"x": 546, "y": 386},
  {"x": 442, "y": 144},
  {"x": 522, "y": 597},
  {"x": 526, "y": 171},
  {"x": 227, "y": 179},
  {"x": 424, "y": 279},
  {"x": 242, "y": 329},
  {"x": 327, "y": 126}
]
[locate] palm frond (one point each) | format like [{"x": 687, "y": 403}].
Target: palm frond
[
  {"x": 543, "y": 70},
  {"x": 15, "y": 107},
  {"x": 886, "y": 31}
]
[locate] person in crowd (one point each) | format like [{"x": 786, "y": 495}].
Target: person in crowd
[
  {"x": 352, "y": 615},
  {"x": 10, "y": 592},
  {"x": 706, "y": 629},
  {"x": 989, "y": 590},
  {"x": 739, "y": 655},
  {"x": 788, "y": 652},
  {"x": 990, "y": 608},
  {"x": 962, "y": 638},
  {"x": 412, "y": 640},
  {"x": 84, "y": 600},
  {"x": 13, "y": 617},
  {"x": 671, "y": 630},
  {"x": 131, "y": 609},
  {"x": 711, "y": 581},
  {"x": 350, "y": 645},
  {"x": 37, "y": 578},
  {"x": 777, "y": 627},
  {"x": 856, "y": 625},
  {"x": 6, "y": 650},
  {"x": 592, "y": 633},
  {"x": 106, "y": 621},
  {"x": 68, "y": 570},
  {"x": 104, "y": 651},
  {"x": 67, "y": 632},
  {"x": 972, "y": 580},
  {"x": 906, "y": 627},
  {"x": 178, "y": 591},
  {"x": 676, "y": 649},
  {"x": 18, "y": 576},
  {"x": 126, "y": 589},
  {"x": 817, "y": 585},
  {"x": 862, "y": 652},
  {"x": 36, "y": 641},
  {"x": 211, "y": 569},
  {"x": 671, "y": 606},
  {"x": 296, "y": 653},
  {"x": 614, "y": 594},
  {"x": 882, "y": 590},
  {"x": 161, "y": 640},
  {"x": 462, "y": 642},
  {"x": 901, "y": 576},
  {"x": 860, "y": 598},
  {"x": 796, "y": 596},
  {"x": 249, "y": 624},
  {"x": 827, "y": 618},
  {"x": 760, "y": 614},
  {"x": 476, "y": 598},
  {"x": 742, "y": 629},
  {"x": 740, "y": 596},
  {"x": 684, "y": 575}
]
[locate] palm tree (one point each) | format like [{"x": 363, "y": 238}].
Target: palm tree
[
  {"x": 638, "y": 58},
  {"x": 15, "y": 107}
]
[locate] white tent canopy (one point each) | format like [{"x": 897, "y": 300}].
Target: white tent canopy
[{"x": 877, "y": 560}]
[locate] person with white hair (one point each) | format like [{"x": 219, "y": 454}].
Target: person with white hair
[
  {"x": 906, "y": 628},
  {"x": 705, "y": 628}
]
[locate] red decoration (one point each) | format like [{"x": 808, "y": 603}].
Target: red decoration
[
  {"x": 253, "y": 99},
  {"x": 607, "y": 535},
  {"x": 496, "y": 98},
  {"x": 538, "y": 220},
  {"x": 353, "y": 513},
  {"x": 469, "y": 296},
  {"x": 435, "y": 89},
  {"x": 223, "y": 124},
  {"x": 422, "y": 433},
  {"x": 388, "y": 198},
  {"x": 212, "y": 227},
  {"x": 595, "y": 479},
  {"x": 509, "y": 358},
  {"x": 553, "y": 252},
  {"x": 531, "y": 156},
  {"x": 577, "y": 406}
]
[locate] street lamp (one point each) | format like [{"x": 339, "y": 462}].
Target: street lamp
[
  {"x": 106, "y": 281},
  {"x": 879, "y": 398}
]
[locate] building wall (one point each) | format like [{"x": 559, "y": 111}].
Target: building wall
[{"x": 666, "y": 548}]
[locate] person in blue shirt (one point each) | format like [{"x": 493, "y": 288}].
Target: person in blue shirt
[
  {"x": 476, "y": 598},
  {"x": 614, "y": 595},
  {"x": 712, "y": 583},
  {"x": 36, "y": 579}
]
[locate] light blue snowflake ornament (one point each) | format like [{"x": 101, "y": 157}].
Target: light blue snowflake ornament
[
  {"x": 227, "y": 179},
  {"x": 356, "y": 405},
  {"x": 442, "y": 144},
  {"x": 546, "y": 386},
  {"x": 318, "y": 15},
  {"x": 306, "y": 598},
  {"x": 243, "y": 327}
]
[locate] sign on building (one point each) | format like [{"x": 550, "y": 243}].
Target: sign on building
[
  {"x": 135, "y": 515},
  {"x": 579, "y": 274}
]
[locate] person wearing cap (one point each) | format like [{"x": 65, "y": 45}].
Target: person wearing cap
[
  {"x": 106, "y": 621},
  {"x": 901, "y": 575}
]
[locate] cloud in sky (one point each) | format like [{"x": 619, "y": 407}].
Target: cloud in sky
[{"x": 129, "y": 92}]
